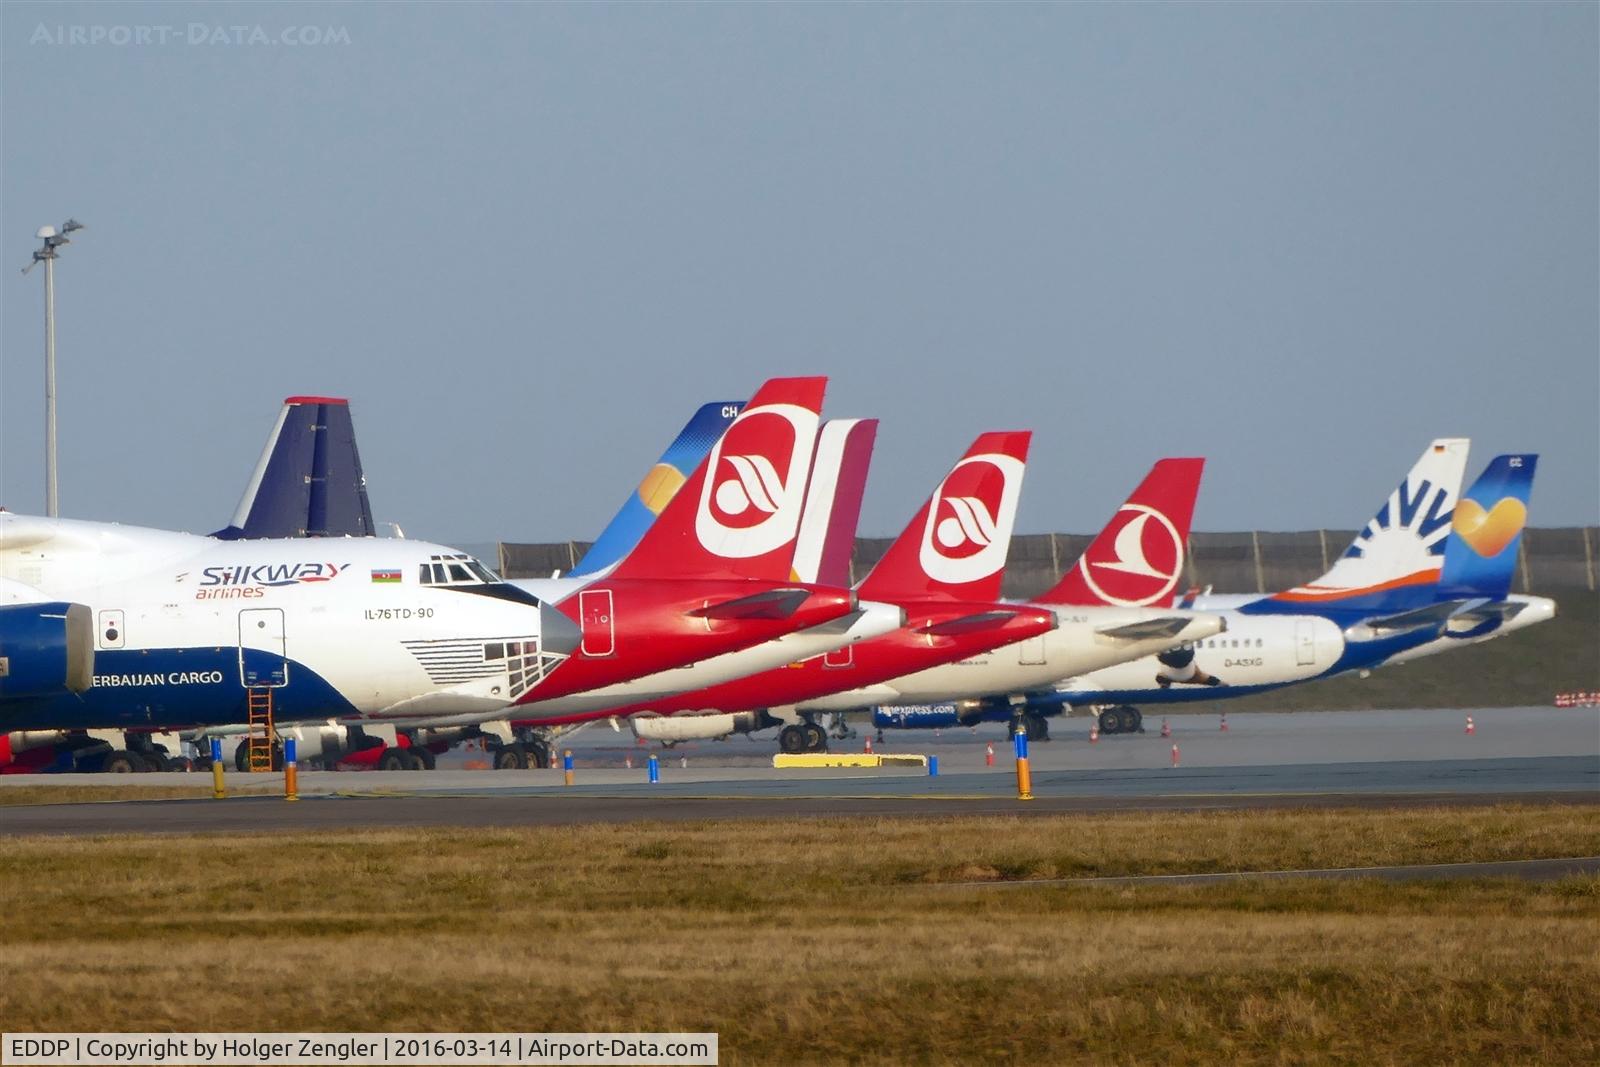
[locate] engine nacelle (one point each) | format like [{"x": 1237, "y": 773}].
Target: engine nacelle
[
  {"x": 696, "y": 727},
  {"x": 45, "y": 649}
]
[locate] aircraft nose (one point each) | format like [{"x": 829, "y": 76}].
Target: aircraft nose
[{"x": 558, "y": 635}]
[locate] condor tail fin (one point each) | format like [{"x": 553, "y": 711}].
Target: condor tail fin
[
  {"x": 738, "y": 514},
  {"x": 956, "y": 546},
  {"x": 658, "y": 488},
  {"x": 308, "y": 482},
  {"x": 1138, "y": 557}
]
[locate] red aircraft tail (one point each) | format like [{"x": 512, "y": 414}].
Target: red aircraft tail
[
  {"x": 738, "y": 514},
  {"x": 956, "y": 546},
  {"x": 1138, "y": 558}
]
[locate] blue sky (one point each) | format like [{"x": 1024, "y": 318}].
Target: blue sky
[{"x": 527, "y": 240}]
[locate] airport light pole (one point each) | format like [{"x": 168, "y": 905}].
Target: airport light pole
[{"x": 46, "y": 254}]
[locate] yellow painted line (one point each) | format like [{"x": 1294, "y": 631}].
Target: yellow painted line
[{"x": 847, "y": 759}]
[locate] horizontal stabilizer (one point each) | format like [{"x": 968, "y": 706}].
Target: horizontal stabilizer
[
  {"x": 772, "y": 604},
  {"x": 968, "y": 624},
  {"x": 1147, "y": 629},
  {"x": 1432, "y": 615}
]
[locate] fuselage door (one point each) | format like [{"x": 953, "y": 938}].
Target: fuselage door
[
  {"x": 1305, "y": 643},
  {"x": 263, "y": 655},
  {"x": 1030, "y": 653},
  {"x": 599, "y": 622},
  {"x": 840, "y": 657}
]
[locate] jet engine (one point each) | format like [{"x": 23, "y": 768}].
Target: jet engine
[
  {"x": 674, "y": 728},
  {"x": 45, "y": 649}
]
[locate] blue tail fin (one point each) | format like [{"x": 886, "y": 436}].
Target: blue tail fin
[
  {"x": 682, "y": 456},
  {"x": 308, "y": 482},
  {"x": 1480, "y": 557}
]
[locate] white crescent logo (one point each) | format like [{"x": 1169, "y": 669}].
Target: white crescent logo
[
  {"x": 970, "y": 523},
  {"x": 1131, "y": 560},
  {"x": 756, "y": 485}
]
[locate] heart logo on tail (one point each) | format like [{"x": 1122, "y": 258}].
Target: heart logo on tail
[{"x": 1489, "y": 532}]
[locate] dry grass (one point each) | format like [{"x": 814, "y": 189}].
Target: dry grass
[
  {"x": 823, "y": 941},
  {"x": 13, "y": 795}
]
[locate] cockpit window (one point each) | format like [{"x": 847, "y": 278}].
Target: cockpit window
[{"x": 456, "y": 570}]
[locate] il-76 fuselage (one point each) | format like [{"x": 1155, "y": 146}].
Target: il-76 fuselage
[{"x": 183, "y": 626}]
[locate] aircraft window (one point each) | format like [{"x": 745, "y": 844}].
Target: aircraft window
[
  {"x": 458, "y": 573},
  {"x": 1258, "y": 642},
  {"x": 483, "y": 574},
  {"x": 424, "y": 578},
  {"x": 494, "y": 652}
]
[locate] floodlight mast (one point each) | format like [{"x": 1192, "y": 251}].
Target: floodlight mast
[{"x": 46, "y": 254}]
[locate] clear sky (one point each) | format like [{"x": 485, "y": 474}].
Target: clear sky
[{"x": 527, "y": 240}]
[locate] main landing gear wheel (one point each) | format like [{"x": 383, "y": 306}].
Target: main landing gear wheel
[
  {"x": 539, "y": 756},
  {"x": 1111, "y": 721},
  {"x": 816, "y": 737},
  {"x": 393, "y": 759},
  {"x": 1037, "y": 726},
  {"x": 792, "y": 739},
  {"x": 1132, "y": 720},
  {"x": 425, "y": 756},
  {"x": 510, "y": 758},
  {"x": 122, "y": 761}
]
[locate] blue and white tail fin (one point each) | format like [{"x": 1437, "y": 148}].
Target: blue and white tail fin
[
  {"x": 1395, "y": 561},
  {"x": 1480, "y": 556},
  {"x": 308, "y": 482},
  {"x": 663, "y": 481},
  {"x": 833, "y": 501}
]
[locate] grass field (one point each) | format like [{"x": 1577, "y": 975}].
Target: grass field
[
  {"x": 93, "y": 794},
  {"x": 835, "y": 940}
]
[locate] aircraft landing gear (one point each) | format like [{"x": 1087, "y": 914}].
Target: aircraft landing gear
[
  {"x": 1037, "y": 725},
  {"x": 1122, "y": 719},
  {"x": 121, "y": 761}
]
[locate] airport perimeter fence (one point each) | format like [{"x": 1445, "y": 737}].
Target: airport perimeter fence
[{"x": 1551, "y": 559}]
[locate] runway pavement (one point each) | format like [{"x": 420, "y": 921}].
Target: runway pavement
[{"x": 1261, "y": 761}]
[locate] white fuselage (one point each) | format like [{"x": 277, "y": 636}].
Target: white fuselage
[{"x": 1078, "y": 645}]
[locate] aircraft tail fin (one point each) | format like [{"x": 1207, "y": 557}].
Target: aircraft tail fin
[
  {"x": 738, "y": 514},
  {"x": 956, "y": 545},
  {"x": 1395, "y": 561},
  {"x": 1137, "y": 559},
  {"x": 659, "y": 486},
  {"x": 308, "y": 482},
  {"x": 833, "y": 501},
  {"x": 1480, "y": 556}
]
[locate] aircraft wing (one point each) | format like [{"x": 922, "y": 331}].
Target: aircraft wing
[{"x": 967, "y": 624}]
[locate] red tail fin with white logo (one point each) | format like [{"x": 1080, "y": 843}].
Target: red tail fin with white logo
[
  {"x": 738, "y": 514},
  {"x": 1138, "y": 558},
  {"x": 833, "y": 501},
  {"x": 956, "y": 546}
]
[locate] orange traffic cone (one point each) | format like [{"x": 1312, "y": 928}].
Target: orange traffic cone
[
  {"x": 1470, "y": 728},
  {"x": 1224, "y": 726},
  {"x": 627, "y": 761},
  {"x": 1094, "y": 733},
  {"x": 988, "y": 755},
  {"x": 869, "y": 746},
  {"x": 1174, "y": 755},
  {"x": 1166, "y": 728}
]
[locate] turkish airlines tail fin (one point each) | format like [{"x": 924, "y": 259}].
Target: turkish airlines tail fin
[
  {"x": 659, "y": 486},
  {"x": 1480, "y": 556},
  {"x": 1138, "y": 557},
  {"x": 1394, "y": 562},
  {"x": 833, "y": 501},
  {"x": 308, "y": 482},
  {"x": 956, "y": 546},
  {"x": 738, "y": 515}
]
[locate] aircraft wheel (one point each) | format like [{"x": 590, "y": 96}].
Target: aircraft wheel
[
  {"x": 156, "y": 760},
  {"x": 121, "y": 761},
  {"x": 1132, "y": 720},
  {"x": 816, "y": 737},
  {"x": 1111, "y": 721},
  {"x": 1038, "y": 727},
  {"x": 241, "y": 757},
  {"x": 792, "y": 739},
  {"x": 424, "y": 757},
  {"x": 539, "y": 756},
  {"x": 510, "y": 758},
  {"x": 393, "y": 759}
]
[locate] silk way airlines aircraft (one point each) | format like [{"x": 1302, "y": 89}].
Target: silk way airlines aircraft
[
  {"x": 1413, "y": 583},
  {"x": 102, "y": 629},
  {"x": 1082, "y": 639}
]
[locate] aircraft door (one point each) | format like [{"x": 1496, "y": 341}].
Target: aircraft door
[
  {"x": 599, "y": 622},
  {"x": 840, "y": 657},
  {"x": 1030, "y": 653},
  {"x": 1305, "y": 643},
  {"x": 263, "y": 656}
]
